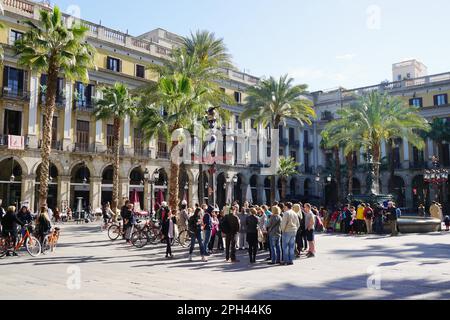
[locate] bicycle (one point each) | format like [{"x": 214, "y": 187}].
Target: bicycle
[
  {"x": 115, "y": 231},
  {"x": 31, "y": 243},
  {"x": 51, "y": 240}
]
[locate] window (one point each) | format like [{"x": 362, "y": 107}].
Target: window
[
  {"x": 440, "y": 99},
  {"x": 14, "y": 81},
  {"x": 291, "y": 134},
  {"x": 138, "y": 141},
  {"x": 238, "y": 96},
  {"x": 14, "y": 36},
  {"x": 140, "y": 71},
  {"x": 416, "y": 102},
  {"x": 12, "y": 124},
  {"x": 399, "y": 77},
  {"x": 83, "y": 95},
  {"x": 82, "y": 135},
  {"x": 113, "y": 64},
  {"x": 59, "y": 90},
  {"x": 306, "y": 139},
  {"x": 238, "y": 123},
  {"x": 109, "y": 136}
]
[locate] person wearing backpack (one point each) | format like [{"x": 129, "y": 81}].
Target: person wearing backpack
[
  {"x": 391, "y": 213},
  {"x": 195, "y": 231},
  {"x": 368, "y": 217}
]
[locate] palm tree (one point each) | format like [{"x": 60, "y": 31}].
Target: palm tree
[
  {"x": 187, "y": 89},
  {"x": 375, "y": 118},
  {"x": 287, "y": 168},
  {"x": 333, "y": 133},
  {"x": 177, "y": 107},
  {"x": 272, "y": 102},
  {"x": 117, "y": 104},
  {"x": 440, "y": 132},
  {"x": 325, "y": 144},
  {"x": 52, "y": 47}
]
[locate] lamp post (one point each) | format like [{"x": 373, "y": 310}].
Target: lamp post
[
  {"x": 235, "y": 181},
  {"x": 437, "y": 177},
  {"x": 152, "y": 180},
  {"x": 186, "y": 189}
]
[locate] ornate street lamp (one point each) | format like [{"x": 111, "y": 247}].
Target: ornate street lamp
[{"x": 437, "y": 176}]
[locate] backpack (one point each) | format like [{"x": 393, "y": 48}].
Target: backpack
[
  {"x": 192, "y": 225},
  {"x": 225, "y": 225},
  {"x": 398, "y": 212}
]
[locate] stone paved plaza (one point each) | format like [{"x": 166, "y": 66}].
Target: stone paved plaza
[{"x": 408, "y": 267}]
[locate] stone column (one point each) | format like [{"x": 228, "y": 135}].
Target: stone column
[
  {"x": 408, "y": 192},
  {"x": 67, "y": 138},
  {"x": 64, "y": 190},
  {"x": 28, "y": 183},
  {"x": 32, "y": 111},
  {"x": 96, "y": 192},
  {"x": 430, "y": 148},
  {"x": 286, "y": 137},
  {"x": 124, "y": 189},
  {"x": 193, "y": 188},
  {"x": 383, "y": 149},
  {"x": 127, "y": 145},
  {"x": 302, "y": 150},
  {"x": 405, "y": 154}
]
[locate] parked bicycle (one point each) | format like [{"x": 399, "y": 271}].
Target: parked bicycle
[{"x": 31, "y": 243}]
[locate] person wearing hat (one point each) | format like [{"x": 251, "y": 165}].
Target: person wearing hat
[{"x": 207, "y": 227}]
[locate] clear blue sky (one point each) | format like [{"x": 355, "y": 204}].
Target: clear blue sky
[{"x": 324, "y": 43}]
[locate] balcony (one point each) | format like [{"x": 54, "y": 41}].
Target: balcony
[
  {"x": 87, "y": 106},
  {"x": 14, "y": 94},
  {"x": 308, "y": 145},
  {"x": 420, "y": 165},
  {"x": 84, "y": 148},
  {"x": 60, "y": 101},
  {"x": 284, "y": 142},
  {"x": 142, "y": 153},
  {"x": 309, "y": 170},
  {"x": 4, "y": 141},
  {"x": 294, "y": 144},
  {"x": 55, "y": 145}
]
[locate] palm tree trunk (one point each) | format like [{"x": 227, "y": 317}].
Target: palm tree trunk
[
  {"x": 376, "y": 165},
  {"x": 274, "y": 155},
  {"x": 283, "y": 188},
  {"x": 49, "y": 110},
  {"x": 116, "y": 165},
  {"x": 337, "y": 172},
  {"x": 349, "y": 159},
  {"x": 174, "y": 182}
]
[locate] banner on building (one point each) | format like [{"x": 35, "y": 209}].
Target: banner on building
[{"x": 16, "y": 142}]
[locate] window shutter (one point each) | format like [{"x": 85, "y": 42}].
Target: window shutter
[
  {"x": 446, "y": 98},
  {"x": 435, "y": 98},
  {"x": 5, "y": 76}
]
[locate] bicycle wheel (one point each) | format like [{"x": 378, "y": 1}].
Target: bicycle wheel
[
  {"x": 33, "y": 246},
  {"x": 114, "y": 232},
  {"x": 154, "y": 235},
  {"x": 139, "y": 239},
  {"x": 183, "y": 239},
  {"x": 3, "y": 247},
  {"x": 45, "y": 246}
]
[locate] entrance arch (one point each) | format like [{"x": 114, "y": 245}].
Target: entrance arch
[
  {"x": 80, "y": 186},
  {"x": 356, "y": 187},
  {"x": 221, "y": 190},
  {"x": 107, "y": 184},
  {"x": 254, "y": 189},
  {"x": 137, "y": 185},
  {"x": 11, "y": 172}
]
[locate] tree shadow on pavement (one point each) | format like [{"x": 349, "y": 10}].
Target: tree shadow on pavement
[{"x": 355, "y": 288}]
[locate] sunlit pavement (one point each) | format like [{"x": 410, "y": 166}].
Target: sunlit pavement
[{"x": 87, "y": 265}]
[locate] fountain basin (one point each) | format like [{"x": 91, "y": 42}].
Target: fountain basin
[{"x": 416, "y": 225}]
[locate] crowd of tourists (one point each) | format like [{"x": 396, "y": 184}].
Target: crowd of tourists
[{"x": 284, "y": 231}]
